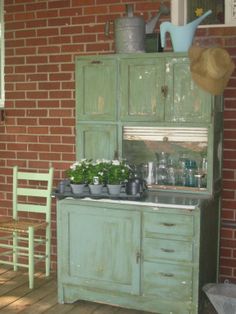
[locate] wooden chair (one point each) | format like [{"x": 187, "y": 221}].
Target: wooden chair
[{"x": 25, "y": 243}]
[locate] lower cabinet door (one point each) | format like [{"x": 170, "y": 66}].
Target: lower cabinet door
[
  {"x": 167, "y": 281},
  {"x": 101, "y": 248}
]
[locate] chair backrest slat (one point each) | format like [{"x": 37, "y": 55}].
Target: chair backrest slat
[
  {"x": 33, "y": 176},
  {"x": 31, "y": 193},
  {"x": 31, "y": 208}
]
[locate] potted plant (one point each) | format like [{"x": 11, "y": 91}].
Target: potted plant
[
  {"x": 118, "y": 172},
  {"x": 96, "y": 176},
  {"x": 77, "y": 174}
]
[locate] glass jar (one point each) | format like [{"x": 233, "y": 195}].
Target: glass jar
[{"x": 190, "y": 173}]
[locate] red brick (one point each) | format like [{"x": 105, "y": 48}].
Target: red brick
[
  {"x": 49, "y": 139},
  {"x": 36, "y": 23},
  {"x": 59, "y": 21},
  {"x": 37, "y": 130},
  {"x": 226, "y": 233},
  {"x": 226, "y": 272},
  {"x": 82, "y": 2},
  {"x": 226, "y": 252},
  {"x": 60, "y": 130},
  {"x": 47, "y": 32},
  {"x": 227, "y": 214},
  {"x": 58, "y": 4},
  {"x": 39, "y": 147},
  {"x": 48, "y": 121},
  {"x": 26, "y": 121}
]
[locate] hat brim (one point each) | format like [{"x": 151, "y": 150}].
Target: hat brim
[{"x": 214, "y": 87}]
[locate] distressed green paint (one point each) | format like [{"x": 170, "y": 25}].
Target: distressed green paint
[
  {"x": 141, "y": 80},
  {"x": 106, "y": 253},
  {"x": 185, "y": 102},
  {"x": 96, "y": 89},
  {"x": 100, "y": 248},
  {"x": 96, "y": 141}
]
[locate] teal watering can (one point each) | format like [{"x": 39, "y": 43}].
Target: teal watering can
[{"x": 181, "y": 36}]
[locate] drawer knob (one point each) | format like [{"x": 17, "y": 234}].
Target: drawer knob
[
  {"x": 168, "y": 250},
  {"x": 167, "y": 274},
  {"x": 166, "y": 224}
]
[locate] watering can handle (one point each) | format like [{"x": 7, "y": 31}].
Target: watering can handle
[
  {"x": 164, "y": 27},
  {"x": 107, "y": 28},
  {"x": 129, "y": 10}
]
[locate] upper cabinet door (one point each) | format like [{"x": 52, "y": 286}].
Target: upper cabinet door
[
  {"x": 185, "y": 101},
  {"x": 96, "y": 89},
  {"x": 141, "y": 82}
]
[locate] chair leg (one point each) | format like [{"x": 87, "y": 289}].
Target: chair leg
[
  {"x": 15, "y": 250},
  {"x": 31, "y": 257},
  {"x": 48, "y": 251}
]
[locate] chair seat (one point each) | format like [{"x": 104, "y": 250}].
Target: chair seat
[{"x": 20, "y": 225}]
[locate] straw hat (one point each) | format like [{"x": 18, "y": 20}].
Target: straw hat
[{"x": 211, "y": 68}]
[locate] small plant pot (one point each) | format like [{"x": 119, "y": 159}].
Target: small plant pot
[
  {"x": 77, "y": 188},
  {"x": 95, "y": 189},
  {"x": 114, "y": 189}
]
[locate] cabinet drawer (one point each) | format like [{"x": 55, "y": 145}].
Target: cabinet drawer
[
  {"x": 167, "y": 281},
  {"x": 175, "y": 250},
  {"x": 154, "y": 223}
]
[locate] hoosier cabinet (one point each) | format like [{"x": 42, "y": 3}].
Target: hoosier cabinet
[{"x": 156, "y": 252}]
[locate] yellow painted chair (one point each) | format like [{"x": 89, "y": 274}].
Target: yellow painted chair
[{"x": 25, "y": 243}]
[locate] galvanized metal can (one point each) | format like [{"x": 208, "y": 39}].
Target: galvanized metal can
[{"x": 130, "y": 34}]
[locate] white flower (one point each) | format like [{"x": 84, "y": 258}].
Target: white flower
[{"x": 116, "y": 162}]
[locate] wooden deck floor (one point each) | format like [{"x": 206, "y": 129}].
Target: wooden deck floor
[{"x": 16, "y": 297}]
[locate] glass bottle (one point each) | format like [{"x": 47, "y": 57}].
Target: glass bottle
[{"x": 191, "y": 172}]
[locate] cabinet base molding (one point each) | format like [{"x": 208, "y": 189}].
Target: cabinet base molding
[{"x": 71, "y": 294}]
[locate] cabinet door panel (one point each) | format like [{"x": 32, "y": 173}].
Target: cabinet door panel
[
  {"x": 163, "y": 280},
  {"x": 96, "y": 88},
  {"x": 185, "y": 101},
  {"x": 141, "y": 81},
  {"x": 101, "y": 246},
  {"x": 96, "y": 141}
]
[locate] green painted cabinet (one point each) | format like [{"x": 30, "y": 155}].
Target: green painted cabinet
[
  {"x": 150, "y": 257},
  {"x": 144, "y": 90}
]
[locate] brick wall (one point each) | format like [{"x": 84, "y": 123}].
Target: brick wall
[{"x": 42, "y": 39}]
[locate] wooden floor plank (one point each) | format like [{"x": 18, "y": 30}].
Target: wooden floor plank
[
  {"x": 20, "y": 290},
  {"x": 57, "y": 308},
  {"x": 105, "y": 309},
  {"x": 22, "y": 304},
  {"x": 84, "y": 308},
  {"x": 42, "y": 305},
  {"x": 16, "y": 297}
]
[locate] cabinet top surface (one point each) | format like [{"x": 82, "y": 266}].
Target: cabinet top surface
[
  {"x": 136, "y": 55},
  {"x": 154, "y": 198}
]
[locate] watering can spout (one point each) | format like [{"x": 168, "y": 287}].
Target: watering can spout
[
  {"x": 197, "y": 21},
  {"x": 151, "y": 24},
  {"x": 181, "y": 36}
]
